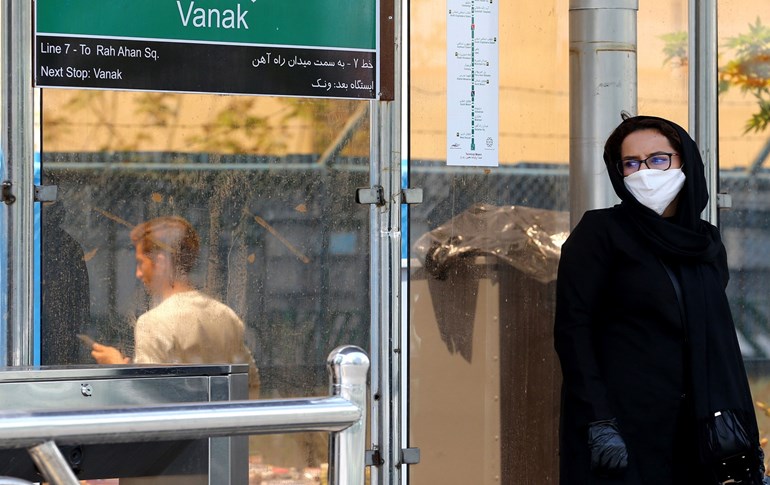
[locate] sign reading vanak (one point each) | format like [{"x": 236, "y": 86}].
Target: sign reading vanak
[{"x": 309, "y": 48}]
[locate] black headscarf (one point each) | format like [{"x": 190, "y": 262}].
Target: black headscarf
[
  {"x": 693, "y": 247},
  {"x": 689, "y": 237}
]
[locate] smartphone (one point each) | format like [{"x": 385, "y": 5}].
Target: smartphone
[{"x": 88, "y": 341}]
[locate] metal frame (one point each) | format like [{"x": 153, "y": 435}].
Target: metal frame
[
  {"x": 385, "y": 272},
  {"x": 703, "y": 108},
  {"x": 343, "y": 414},
  {"x": 17, "y": 152},
  {"x": 385, "y": 284}
]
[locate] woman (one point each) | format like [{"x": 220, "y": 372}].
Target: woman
[{"x": 642, "y": 372}]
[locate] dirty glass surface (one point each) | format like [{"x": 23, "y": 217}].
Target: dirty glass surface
[
  {"x": 268, "y": 186},
  {"x": 744, "y": 143},
  {"x": 744, "y": 174},
  {"x": 462, "y": 295},
  {"x": 662, "y": 60},
  {"x": 484, "y": 380}
]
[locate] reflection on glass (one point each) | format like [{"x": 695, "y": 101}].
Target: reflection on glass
[
  {"x": 267, "y": 184},
  {"x": 744, "y": 174},
  {"x": 662, "y": 62},
  {"x": 482, "y": 247},
  {"x": 184, "y": 326},
  {"x": 65, "y": 305}
]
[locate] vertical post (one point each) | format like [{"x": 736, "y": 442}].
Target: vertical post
[
  {"x": 348, "y": 368},
  {"x": 52, "y": 464},
  {"x": 603, "y": 83},
  {"x": 385, "y": 263},
  {"x": 385, "y": 284},
  {"x": 702, "y": 100},
  {"x": 379, "y": 330},
  {"x": 16, "y": 164}
]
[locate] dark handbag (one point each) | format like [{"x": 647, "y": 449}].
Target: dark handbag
[{"x": 725, "y": 445}]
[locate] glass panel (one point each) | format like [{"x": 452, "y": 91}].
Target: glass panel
[
  {"x": 481, "y": 307},
  {"x": 662, "y": 60},
  {"x": 744, "y": 173},
  {"x": 267, "y": 184},
  {"x": 484, "y": 379}
]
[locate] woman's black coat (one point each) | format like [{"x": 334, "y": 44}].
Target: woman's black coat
[
  {"x": 626, "y": 352},
  {"x": 620, "y": 340}
]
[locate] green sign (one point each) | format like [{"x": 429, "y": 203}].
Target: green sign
[
  {"x": 349, "y": 24},
  {"x": 308, "y": 48}
]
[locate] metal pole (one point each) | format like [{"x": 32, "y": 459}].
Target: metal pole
[
  {"x": 386, "y": 290},
  {"x": 16, "y": 158},
  {"x": 52, "y": 464},
  {"x": 602, "y": 84},
  {"x": 383, "y": 235},
  {"x": 385, "y": 284},
  {"x": 702, "y": 100},
  {"x": 378, "y": 334},
  {"x": 348, "y": 369}
]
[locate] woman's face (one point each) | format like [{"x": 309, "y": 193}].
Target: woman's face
[{"x": 644, "y": 145}]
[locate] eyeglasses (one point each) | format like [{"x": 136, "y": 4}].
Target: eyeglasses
[{"x": 659, "y": 161}]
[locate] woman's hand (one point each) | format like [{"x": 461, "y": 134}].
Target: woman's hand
[
  {"x": 104, "y": 354},
  {"x": 609, "y": 455}
]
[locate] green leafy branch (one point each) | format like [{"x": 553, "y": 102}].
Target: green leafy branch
[{"x": 748, "y": 68}]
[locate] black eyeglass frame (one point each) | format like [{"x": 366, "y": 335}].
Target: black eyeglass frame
[{"x": 619, "y": 164}]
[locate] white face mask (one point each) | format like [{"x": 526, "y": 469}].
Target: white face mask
[{"x": 655, "y": 189}]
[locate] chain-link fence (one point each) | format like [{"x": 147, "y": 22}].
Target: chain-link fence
[{"x": 285, "y": 245}]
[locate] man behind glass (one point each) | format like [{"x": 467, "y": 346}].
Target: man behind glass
[{"x": 183, "y": 325}]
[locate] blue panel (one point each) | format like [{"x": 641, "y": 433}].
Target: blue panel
[{"x": 36, "y": 263}]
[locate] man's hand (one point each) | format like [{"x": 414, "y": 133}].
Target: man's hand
[{"x": 104, "y": 354}]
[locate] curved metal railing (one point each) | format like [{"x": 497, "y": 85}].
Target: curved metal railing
[{"x": 343, "y": 414}]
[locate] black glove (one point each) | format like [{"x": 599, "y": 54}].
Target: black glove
[
  {"x": 608, "y": 450},
  {"x": 761, "y": 456}
]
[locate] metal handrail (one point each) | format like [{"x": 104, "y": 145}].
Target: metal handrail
[
  {"x": 176, "y": 421},
  {"x": 343, "y": 414}
]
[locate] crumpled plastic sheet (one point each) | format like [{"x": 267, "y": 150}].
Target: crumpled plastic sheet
[{"x": 528, "y": 239}]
